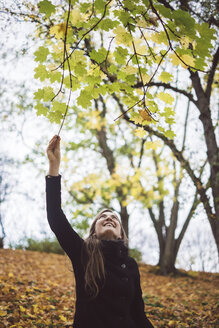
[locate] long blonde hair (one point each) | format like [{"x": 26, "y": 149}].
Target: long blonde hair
[{"x": 94, "y": 263}]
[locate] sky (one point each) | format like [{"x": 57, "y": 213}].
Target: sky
[{"x": 24, "y": 211}]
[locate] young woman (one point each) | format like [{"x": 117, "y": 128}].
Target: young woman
[{"x": 108, "y": 291}]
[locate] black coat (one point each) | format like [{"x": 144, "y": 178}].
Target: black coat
[{"x": 119, "y": 303}]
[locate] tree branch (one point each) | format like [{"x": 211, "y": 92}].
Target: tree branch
[
  {"x": 168, "y": 86},
  {"x": 211, "y": 74},
  {"x": 179, "y": 155}
]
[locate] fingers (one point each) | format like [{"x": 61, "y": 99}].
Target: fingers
[
  {"x": 55, "y": 137},
  {"x": 54, "y": 143}
]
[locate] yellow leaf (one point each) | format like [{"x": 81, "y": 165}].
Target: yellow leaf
[
  {"x": 142, "y": 22},
  {"x": 58, "y": 30},
  {"x": 189, "y": 61},
  {"x": 146, "y": 78},
  {"x": 166, "y": 97},
  {"x": 140, "y": 47},
  {"x": 75, "y": 16},
  {"x": 185, "y": 41},
  {"x": 62, "y": 318},
  {"x": 122, "y": 36},
  {"x": 35, "y": 308},
  {"x": 165, "y": 77},
  {"x": 22, "y": 309},
  {"x": 140, "y": 132},
  {"x": 175, "y": 60},
  {"x": 130, "y": 69},
  {"x": 3, "y": 313},
  {"x": 10, "y": 275},
  {"x": 137, "y": 119},
  {"x": 153, "y": 144}
]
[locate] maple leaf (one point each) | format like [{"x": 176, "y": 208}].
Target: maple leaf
[
  {"x": 144, "y": 114},
  {"x": 41, "y": 54},
  {"x": 46, "y": 7},
  {"x": 140, "y": 132}
]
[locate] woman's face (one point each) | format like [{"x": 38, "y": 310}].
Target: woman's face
[{"x": 108, "y": 226}]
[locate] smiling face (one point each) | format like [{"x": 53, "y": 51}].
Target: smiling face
[{"x": 108, "y": 226}]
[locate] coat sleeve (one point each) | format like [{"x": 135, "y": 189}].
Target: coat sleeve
[
  {"x": 69, "y": 240},
  {"x": 137, "y": 307}
]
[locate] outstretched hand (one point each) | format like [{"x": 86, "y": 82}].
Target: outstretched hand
[{"x": 53, "y": 151}]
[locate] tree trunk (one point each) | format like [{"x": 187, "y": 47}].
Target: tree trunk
[
  {"x": 203, "y": 104},
  {"x": 168, "y": 256},
  {"x": 125, "y": 219}
]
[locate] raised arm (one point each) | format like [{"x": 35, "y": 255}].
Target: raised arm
[{"x": 69, "y": 240}]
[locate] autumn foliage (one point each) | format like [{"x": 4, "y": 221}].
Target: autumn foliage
[{"x": 38, "y": 290}]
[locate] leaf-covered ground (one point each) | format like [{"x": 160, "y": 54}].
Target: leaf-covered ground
[{"x": 37, "y": 290}]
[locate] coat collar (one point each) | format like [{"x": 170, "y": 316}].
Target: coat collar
[{"x": 114, "y": 248}]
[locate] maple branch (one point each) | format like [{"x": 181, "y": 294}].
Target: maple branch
[{"x": 65, "y": 54}]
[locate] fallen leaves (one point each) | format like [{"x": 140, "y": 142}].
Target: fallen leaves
[{"x": 38, "y": 290}]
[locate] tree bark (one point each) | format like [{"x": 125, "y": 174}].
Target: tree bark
[{"x": 203, "y": 104}]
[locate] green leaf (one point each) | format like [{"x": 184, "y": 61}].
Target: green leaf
[
  {"x": 58, "y": 107},
  {"x": 38, "y": 95},
  {"x": 41, "y": 72},
  {"x": 84, "y": 99},
  {"x": 41, "y": 54},
  {"x": 48, "y": 94},
  {"x": 46, "y": 7},
  {"x": 55, "y": 76},
  {"x": 41, "y": 109},
  {"x": 45, "y": 94},
  {"x": 99, "y": 55},
  {"x": 55, "y": 117},
  {"x": 120, "y": 54},
  {"x": 108, "y": 24},
  {"x": 100, "y": 5}
]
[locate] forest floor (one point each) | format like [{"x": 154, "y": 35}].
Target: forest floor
[{"x": 38, "y": 290}]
